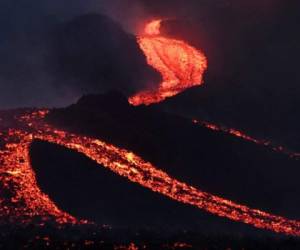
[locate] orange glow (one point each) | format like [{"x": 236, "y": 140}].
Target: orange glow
[
  {"x": 153, "y": 28},
  {"x": 23, "y": 201},
  {"x": 131, "y": 246},
  {"x": 180, "y": 65},
  {"x": 26, "y": 201},
  {"x": 178, "y": 245},
  {"x": 239, "y": 134}
]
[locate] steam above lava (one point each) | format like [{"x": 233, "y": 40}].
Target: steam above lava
[{"x": 180, "y": 65}]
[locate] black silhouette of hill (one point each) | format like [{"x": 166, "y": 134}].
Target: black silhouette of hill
[
  {"x": 94, "y": 51},
  {"x": 267, "y": 117},
  {"x": 212, "y": 161},
  {"x": 58, "y": 60}
]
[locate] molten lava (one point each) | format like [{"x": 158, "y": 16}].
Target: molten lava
[
  {"x": 242, "y": 135},
  {"x": 180, "y": 65},
  {"x": 22, "y": 200},
  {"x": 153, "y": 28}
]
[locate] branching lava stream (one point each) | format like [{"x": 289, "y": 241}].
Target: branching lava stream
[
  {"x": 26, "y": 201},
  {"x": 181, "y": 66}
]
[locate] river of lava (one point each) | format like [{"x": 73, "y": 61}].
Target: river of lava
[
  {"x": 180, "y": 65},
  {"x": 20, "y": 196},
  {"x": 21, "y": 201}
]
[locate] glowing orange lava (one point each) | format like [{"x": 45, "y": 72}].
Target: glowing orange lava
[
  {"x": 180, "y": 65},
  {"x": 240, "y": 134},
  {"x": 153, "y": 28},
  {"x": 21, "y": 200},
  {"x": 20, "y": 197}
]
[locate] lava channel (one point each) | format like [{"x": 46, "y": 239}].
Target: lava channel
[
  {"x": 180, "y": 65},
  {"x": 16, "y": 173}
]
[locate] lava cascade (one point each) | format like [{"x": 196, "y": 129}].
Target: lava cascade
[
  {"x": 27, "y": 201},
  {"x": 180, "y": 65}
]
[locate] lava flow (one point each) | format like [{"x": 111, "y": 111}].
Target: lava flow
[
  {"x": 240, "y": 134},
  {"x": 20, "y": 196},
  {"x": 180, "y": 65},
  {"x": 21, "y": 201}
]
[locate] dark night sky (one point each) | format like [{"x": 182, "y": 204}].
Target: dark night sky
[{"x": 25, "y": 27}]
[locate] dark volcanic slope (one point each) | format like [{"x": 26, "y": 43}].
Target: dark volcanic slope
[
  {"x": 89, "y": 191},
  {"x": 252, "y": 81},
  {"x": 262, "y": 113},
  {"x": 215, "y": 162}
]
